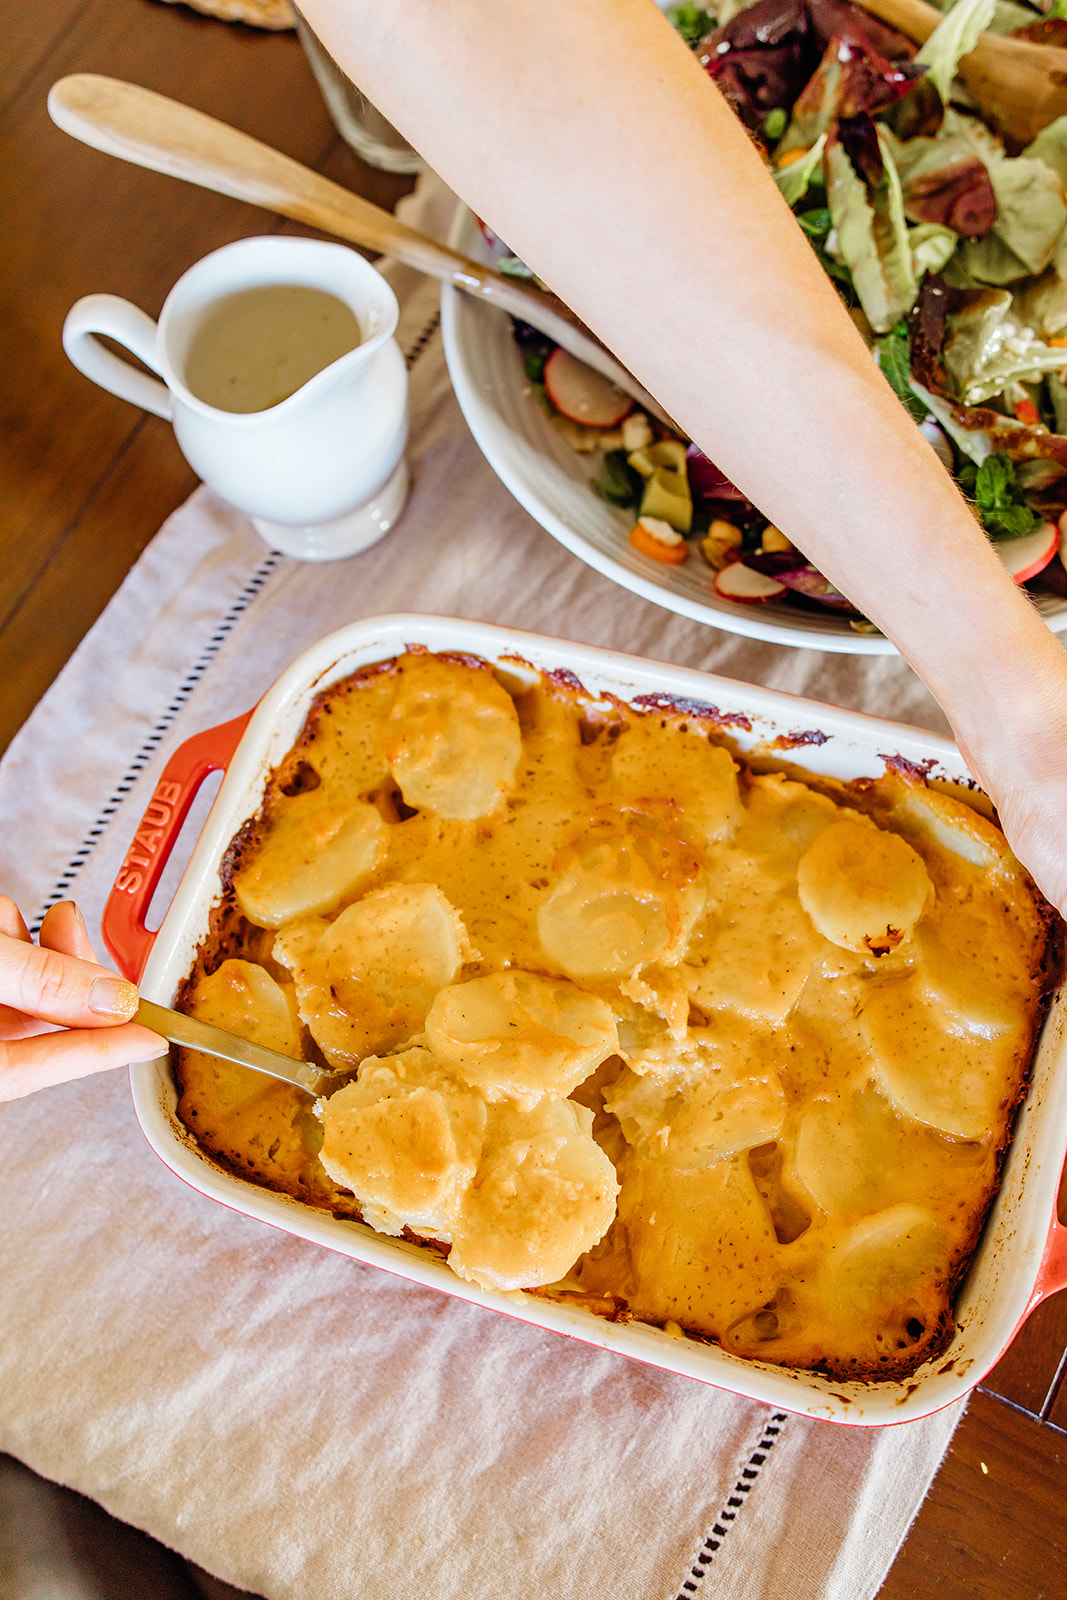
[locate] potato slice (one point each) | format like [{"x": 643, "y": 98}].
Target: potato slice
[
  {"x": 516, "y": 1036},
  {"x": 366, "y": 981},
  {"x": 970, "y": 972},
  {"x": 406, "y": 1138},
  {"x": 243, "y": 998},
  {"x": 452, "y": 739},
  {"x": 701, "y": 1241},
  {"x": 625, "y": 896},
  {"x": 544, "y": 1193},
  {"x": 319, "y": 850},
  {"x": 692, "y": 1123},
  {"x": 939, "y": 1075},
  {"x": 756, "y": 963},
  {"x": 883, "y": 1260},
  {"x": 863, "y": 888},
  {"x": 655, "y": 768}
]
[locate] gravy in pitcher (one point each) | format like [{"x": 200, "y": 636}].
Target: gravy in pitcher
[{"x": 257, "y": 347}]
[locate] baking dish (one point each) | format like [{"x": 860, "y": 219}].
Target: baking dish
[{"x": 1022, "y": 1257}]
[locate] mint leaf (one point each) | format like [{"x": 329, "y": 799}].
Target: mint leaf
[
  {"x": 894, "y": 358},
  {"x": 993, "y": 481},
  {"x": 1010, "y": 522},
  {"x": 999, "y": 500}
]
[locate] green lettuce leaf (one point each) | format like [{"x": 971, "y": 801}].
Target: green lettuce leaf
[
  {"x": 970, "y": 441},
  {"x": 793, "y": 180},
  {"x": 1030, "y": 219},
  {"x": 987, "y": 348},
  {"x": 1007, "y": 17},
  {"x": 952, "y": 39},
  {"x": 1050, "y": 146},
  {"x": 932, "y": 247},
  {"x": 1042, "y": 302},
  {"x": 872, "y": 235}
]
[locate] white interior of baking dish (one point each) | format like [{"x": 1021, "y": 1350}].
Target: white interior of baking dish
[{"x": 1000, "y": 1285}]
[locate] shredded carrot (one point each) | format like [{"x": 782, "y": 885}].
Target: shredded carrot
[
  {"x": 789, "y": 157},
  {"x": 1026, "y": 411},
  {"x": 643, "y": 539},
  {"x": 1057, "y": 343}
]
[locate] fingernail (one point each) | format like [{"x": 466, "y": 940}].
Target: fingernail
[
  {"x": 113, "y": 997},
  {"x": 75, "y": 910}
]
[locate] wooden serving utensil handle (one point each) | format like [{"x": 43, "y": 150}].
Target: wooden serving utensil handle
[
  {"x": 913, "y": 18},
  {"x": 1020, "y": 86},
  {"x": 149, "y": 130}
]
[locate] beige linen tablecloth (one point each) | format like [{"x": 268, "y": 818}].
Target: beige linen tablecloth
[{"x": 303, "y": 1426}]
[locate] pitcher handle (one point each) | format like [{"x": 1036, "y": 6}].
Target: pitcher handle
[{"x": 118, "y": 319}]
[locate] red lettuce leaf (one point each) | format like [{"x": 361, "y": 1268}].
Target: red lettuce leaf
[
  {"x": 959, "y": 196},
  {"x": 858, "y": 137},
  {"x": 706, "y": 480},
  {"x": 763, "y": 57},
  {"x": 800, "y": 576}
]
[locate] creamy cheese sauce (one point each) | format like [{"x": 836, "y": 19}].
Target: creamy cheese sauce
[{"x": 628, "y": 1022}]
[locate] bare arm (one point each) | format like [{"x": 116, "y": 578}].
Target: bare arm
[{"x": 591, "y": 140}]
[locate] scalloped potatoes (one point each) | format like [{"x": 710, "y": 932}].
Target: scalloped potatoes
[{"x": 627, "y": 1022}]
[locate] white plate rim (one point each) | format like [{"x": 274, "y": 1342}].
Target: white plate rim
[{"x": 485, "y": 369}]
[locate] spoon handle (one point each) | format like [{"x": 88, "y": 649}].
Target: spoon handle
[
  {"x": 1019, "y": 85},
  {"x": 913, "y": 18},
  {"x": 193, "y": 1034},
  {"x": 150, "y": 130}
]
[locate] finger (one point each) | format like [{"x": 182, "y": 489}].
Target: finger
[
  {"x": 12, "y": 922},
  {"x": 53, "y": 1058},
  {"x": 63, "y": 928},
  {"x": 13, "y": 1024},
  {"x": 53, "y": 987}
]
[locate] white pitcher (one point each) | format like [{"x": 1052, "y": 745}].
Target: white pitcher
[{"x": 322, "y": 473}]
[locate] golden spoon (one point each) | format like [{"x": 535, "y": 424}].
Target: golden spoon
[{"x": 193, "y": 1034}]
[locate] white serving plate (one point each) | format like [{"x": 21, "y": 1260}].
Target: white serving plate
[
  {"x": 1023, "y": 1253},
  {"x": 551, "y": 482}
]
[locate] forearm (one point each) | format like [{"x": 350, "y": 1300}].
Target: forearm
[{"x": 591, "y": 140}]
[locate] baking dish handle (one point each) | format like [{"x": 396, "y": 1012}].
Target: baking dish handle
[
  {"x": 1053, "y": 1272},
  {"x": 123, "y": 921}
]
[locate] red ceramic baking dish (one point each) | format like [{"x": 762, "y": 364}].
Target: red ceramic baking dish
[{"x": 1022, "y": 1257}]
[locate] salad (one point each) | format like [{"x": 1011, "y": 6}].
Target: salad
[{"x": 949, "y": 249}]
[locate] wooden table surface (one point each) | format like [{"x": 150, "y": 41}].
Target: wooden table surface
[{"x": 87, "y": 480}]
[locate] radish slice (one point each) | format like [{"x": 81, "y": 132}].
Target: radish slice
[
  {"x": 1025, "y": 557},
  {"x": 583, "y": 395},
  {"x": 935, "y": 435},
  {"x": 738, "y": 582},
  {"x": 1063, "y": 538}
]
